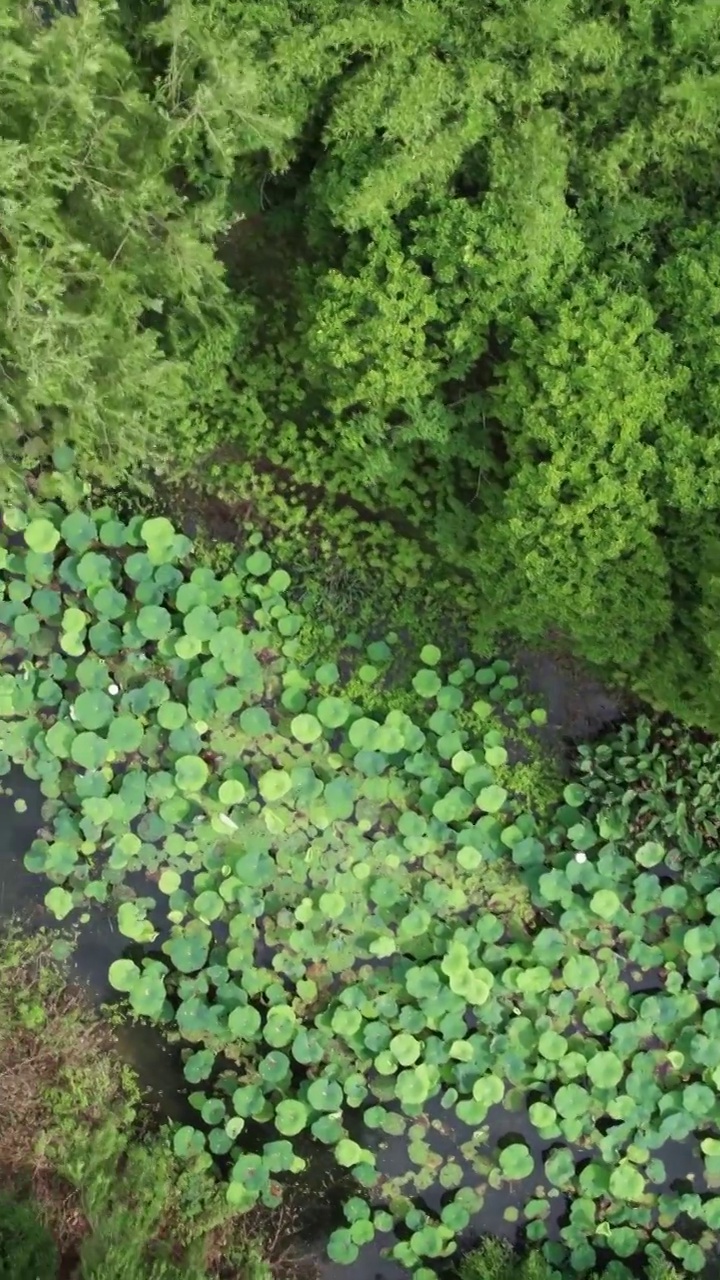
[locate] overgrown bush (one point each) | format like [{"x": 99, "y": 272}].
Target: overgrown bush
[
  {"x": 109, "y": 283},
  {"x": 496, "y": 316},
  {"x": 472, "y": 316}
]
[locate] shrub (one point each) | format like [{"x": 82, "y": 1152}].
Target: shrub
[
  {"x": 113, "y": 1192},
  {"x": 111, "y": 192}
]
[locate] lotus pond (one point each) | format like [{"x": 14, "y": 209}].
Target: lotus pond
[{"x": 376, "y": 958}]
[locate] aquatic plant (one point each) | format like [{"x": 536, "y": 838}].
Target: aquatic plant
[
  {"x": 658, "y": 779},
  {"x": 495, "y": 1259},
  {"x": 329, "y": 950}
]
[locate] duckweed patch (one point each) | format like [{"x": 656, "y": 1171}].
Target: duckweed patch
[{"x": 336, "y": 962}]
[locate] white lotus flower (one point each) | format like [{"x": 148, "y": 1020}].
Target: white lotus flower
[
  {"x": 73, "y": 715},
  {"x": 228, "y": 821},
  {"x": 581, "y": 857},
  {"x": 113, "y": 688}
]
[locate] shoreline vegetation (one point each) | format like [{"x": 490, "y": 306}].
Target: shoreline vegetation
[{"x": 91, "y": 1164}]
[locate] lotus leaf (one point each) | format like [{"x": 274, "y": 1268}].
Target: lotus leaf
[
  {"x": 605, "y": 903},
  {"x": 341, "y": 1247},
  {"x": 492, "y": 798},
  {"x": 199, "y": 1065},
  {"x": 274, "y": 784},
  {"x": 560, "y": 1167},
  {"x": 280, "y": 1026},
  {"x": 133, "y": 924},
  {"x": 542, "y": 1115},
  {"x": 147, "y": 995},
  {"x": 188, "y": 950},
  {"x": 405, "y": 1048},
  {"x": 290, "y": 1117},
  {"x": 308, "y": 1046},
  {"x": 627, "y": 1183},
  {"x": 188, "y": 1141},
  {"x": 191, "y": 773},
  {"x": 258, "y": 564},
  {"x": 325, "y": 1095},
  {"x": 427, "y": 683},
  {"x": 59, "y": 902},
  {"x": 274, "y": 1068},
  {"x": 516, "y": 1161},
  {"x": 552, "y": 1045},
  {"x": 41, "y": 536},
  {"x": 306, "y": 728},
  {"x": 125, "y": 734},
  {"x": 123, "y": 975},
  {"x": 171, "y": 715},
  {"x": 94, "y": 570},
  {"x": 605, "y": 1070},
  {"x": 581, "y": 972},
  {"x": 349, "y": 1153},
  {"x": 89, "y": 750},
  {"x": 231, "y": 792},
  {"x": 200, "y": 622},
  {"x": 430, "y": 655},
  {"x": 699, "y": 940},
  {"x": 59, "y": 738},
  {"x": 169, "y": 881}
]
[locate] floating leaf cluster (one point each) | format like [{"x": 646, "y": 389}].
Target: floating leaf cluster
[{"x": 314, "y": 882}]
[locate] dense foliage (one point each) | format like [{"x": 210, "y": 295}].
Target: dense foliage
[
  {"x": 109, "y": 283},
  {"x": 469, "y": 308},
  {"x": 338, "y": 900},
  {"x": 27, "y": 1250}
]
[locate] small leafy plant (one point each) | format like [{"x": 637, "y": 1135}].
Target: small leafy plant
[{"x": 111, "y": 1192}]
